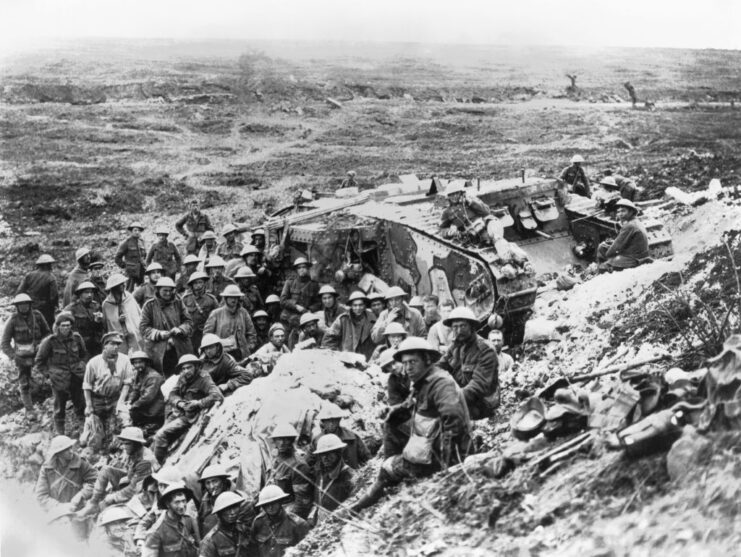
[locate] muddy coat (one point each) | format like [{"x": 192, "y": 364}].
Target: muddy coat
[
  {"x": 59, "y": 359},
  {"x": 167, "y": 255},
  {"x": 173, "y": 537},
  {"x": 293, "y": 475},
  {"x": 130, "y": 257},
  {"x": 236, "y": 328},
  {"x": 130, "y": 329},
  {"x": 329, "y": 316},
  {"x": 474, "y": 366},
  {"x": 41, "y": 286},
  {"x": 351, "y": 334},
  {"x": 77, "y": 276},
  {"x": 22, "y": 330},
  {"x": 145, "y": 395},
  {"x": 333, "y": 487},
  {"x": 60, "y": 484},
  {"x": 90, "y": 330},
  {"x": 199, "y": 307},
  {"x": 200, "y": 388},
  {"x": 224, "y": 370},
  {"x": 158, "y": 318},
  {"x": 410, "y": 319},
  {"x": 220, "y": 542},
  {"x": 302, "y": 292},
  {"x": 273, "y": 538}
]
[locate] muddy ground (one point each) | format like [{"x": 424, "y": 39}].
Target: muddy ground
[{"x": 99, "y": 134}]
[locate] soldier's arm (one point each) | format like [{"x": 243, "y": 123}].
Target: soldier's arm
[
  {"x": 142, "y": 469},
  {"x": 479, "y": 207},
  {"x": 144, "y": 524},
  {"x": 8, "y": 332},
  {"x": 621, "y": 242},
  {"x": 212, "y": 392},
  {"x": 379, "y": 326},
  {"x": 303, "y": 488},
  {"x": 42, "y": 357},
  {"x": 54, "y": 293},
  {"x": 43, "y": 325},
  {"x": 146, "y": 326},
  {"x": 180, "y": 225},
  {"x": 210, "y": 325},
  {"x": 332, "y": 337},
  {"x": 450, "y": 407},
  {"x": 285, "y": 296},
  {"x": 238, "y": 376},
  {"x": 186, "y": 322},
  {"x": 89, "y": 475},
  {"x": 250, "y": 332},
  {"x": 119, "y": 259},
  {"x": 419, "y": 329},
  {"x": 42, "y": 489},
  {"x": 150, "y": 255},
  {"x": 176, "y": 396},
  {"x": 177, "y": 256},
  {"x": 149, "y": 390},
  {"x": 483, "y": 378}
]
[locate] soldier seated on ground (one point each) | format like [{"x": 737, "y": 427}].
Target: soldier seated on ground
[
  {"x": 630, "y": 247},
  {"x": 355, "y": 453},
  {"x": 193, "y": 392},
  {"x": 221, "y": 367},
  {"x": 290, "y": 471},
  {"x": 398, "y": 311},
  {"x": 398, "y": 391},
  {"x": 177, "y": 532},
  {"x": 232, "y": 324},
  {"x": 309, "y": 335},
  {"x": 261, "y": 321},
  {"x": 352, "y": 330},
  {"x": 215, "y": 481},
  {"x": 472, "y": 363},
  {"x": 464, "y": 215},
  {"x": 275, "y": 529},
  {"x": 145, "y": 403},
  {"x": 230, "y": 536},
  {"x": 268, "y": 354},
  {"x": 114, "y": 538},
  {"x": 393, "y": 334},
  {"x": 440, "y": 336},
  {"x": 334, "y": 481}
]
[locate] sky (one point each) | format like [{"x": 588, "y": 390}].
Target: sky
[{"x": 638, "y": 23}]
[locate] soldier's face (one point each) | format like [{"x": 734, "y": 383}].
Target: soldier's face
[
  {"x": 210, "y": 243},
  {"x": 495, "y": 338},
  {"x": 177, "y": 504},
  {"x": 110, "y": 349},
  {"x": 261, "y": 322},
  {"x": 139, "y": 365},
  {"x": 198, "y": 285},
  {"x": 166, "y": 293},
  {"x": 217, "y": 272},
  {"x": 328, "y": 300},
  {"x": 394, "y": 340},
  {"x": 455, "y": 198},
  {"x": 395, "y": 303},
  {"x": 250, "y": 259},
  {"x": 302, "y": 270},
  {"x": 96, "y": 271},
  {"x": 278, "y": 338},
  {"x": 129, "y": 447},
  {"x": 162, "y": 238},
  {"x": 212, "y": 351},
  {"x": 136, "y": 232},
  {"x": 463, "y": 330},
  {"x": 430, "y": 308},
  {"x": 329, "y": 460},
  {"x": 415, "y": 365},
  {"x": 86, "y": 296},
  {"x": 230, "y": 514},
  {"x": 23, "y": 307},
  {"x": 116, "y": 530},
  {"x": 377, "y": 306},
  {"x": 187, "y": 370},
  {"x": 330, "y": 426},
  {"x": 231, "y": 302},
  {"x": 310, "y": 327},
  {"x": 65, "y": 328},
  {"x": 154, "y": 276},
  {"x": 191, "y": 267},
  {"x": 445, "y": 311},
  {"x": 623, "y": 213},
  {"x": 214, "y": 486},
  {"x": 284, "y": 444},
  {"x": 358, "y": 307},
  {"x": 230, "y": 237},
  {"x": 272, "y": 509}
]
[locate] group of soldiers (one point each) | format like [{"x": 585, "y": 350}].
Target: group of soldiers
[{"x": 215, "y": 319}]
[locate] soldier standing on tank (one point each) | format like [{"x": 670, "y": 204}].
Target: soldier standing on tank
[
  {"x": 130, "y": 256},
  {"x": 41, "y": 286},
  {"x": 575, "y": 177}
]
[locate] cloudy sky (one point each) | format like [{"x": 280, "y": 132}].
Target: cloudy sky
[{"x": 678, "y": 23}]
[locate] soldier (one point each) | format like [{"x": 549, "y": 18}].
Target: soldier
[
  {"x": 208, "y": 249},
  {"x": 331, "y": 308},
  {"x": 145, "y": 402},
  {"x": 334, "y": 480},
  {"x": 222, "y": 367},
  {"x": 176, "y": 532},
  {"x": 252, "y": 258},
  {"x": 214, "y": 481},
  {"x": 262, "y": 326},
  {"x": 575, "y": 177},
  {"x": 630, "y": 247},
  {"x": 106, "y": 384},
  {"x": 355, "y": 453},
  {"x": 140, "y": 464},
  {"x": 275, "y": 529},
  {"x": 165, "y": 253},
  {"x": 272, "y": 307},
  {"x": 79, "y": 274},
  {"x": 472, "y": 363},
  {"x": 193, "y": 392},
  {"x": 116, "y": 537},
  {"x": 257, "y": 239},
  {"x": 61, "y": 358},
  {"x": 65, "y": 479},
  {"x": 377, "y": 302},
  {"x": 232, "y": 324},
  {"x": 351, "y": 331},
  {"x": 495, "y": 339},
  {"x": 441, "y": 429},
  {"x": 393, "y": 335},
  {"x": 166, "y": 327},
  {"x": 218, "y": 281},
  {"x": 290, "y": 470},
  {"x": 626, "y": 187},
  {"x": 130, "y": 256},
  {"x": 399, "y": 311},
  {"x": 147, "y": 291},
  {"x": 193, "y": 226},
  {"x": 462, "y": 211},
  {"x": 41, "y": 286},
  {"x": 199, "y": 304},
  {"x": 269, "y": 353},
  {"x": 97, "y": 278},
  {"x": 440, "y": 336},
  {"x": 300, "y": 294},
  {"x": 229, "y": 536},
  {"x": 246, "y": 280},
  {"x": 350, "y": 181},
  {"x": 121, "y": 313},
  {"x": 190, "y": 266},
  {"x": 88, "y": 317},
  {"x": 398, "y": 390},
  {"x": 22, "y": 335},
  {"x": 309, "y": 336},
  {"x": 430, "y": 310},
  {"x": 230, "y": 248}
]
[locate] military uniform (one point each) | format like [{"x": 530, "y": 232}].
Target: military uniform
[
  {"x": 292, "y": 474},
  {"x": 220, "y": 542},
  {"x": 167, "y": 255},
  {"x": 229, "y": 251},
  {"x": 234, "y": 328},
  {"x": 355, "y": 454},
  {"x": 138, "y": 466},
  {"x": 576, "y": 177},
  {"x": 332, "y": 487},
  {"x": 76, "y": 276},
  {"x": 145, "y": 292},
  {"x": 199, "y": 308},
  {"x": 89, "y": 328},
  {"x": 147, "y": 409},
  {"x": 410, "y": 319},
  {"x": 302, "y": 291},
  {"x": 26, "y": 333},
  {"x": 196, "y": 225},
  {"x": 173, "y": 537},
  {"x": 41, "y": 286},
  {"x": 158, "y": 318},
  {"x": 216, "y": 285},
  {"x": 273, "y": 537},
  {"x": 130, "y": 257},
  {"x": 461, "y": 215},
  {"x": 225, "y": 371}
]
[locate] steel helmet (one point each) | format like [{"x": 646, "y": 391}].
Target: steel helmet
[
  {"x": 271, "y": 494},
  {"x": 301, "y": 261},
  {"x": 455, "y": 187},
  {"x": 172, "y": 489},
  {"x": 276, "y": 326},
  {"x": 330, "y": 411},
  {"x": 416, "y": 302},
  {"x": 307, "y": 318},
  {"x": 577, "y": 158},
  {"x": 627, "y": 204},
  {"x": 386, "y": 357},
  {"x": 226, "y": 500},
  {"x": 284, "y": 430},
  {"x": 191, "y": 259},
  {"x": 162, "y": 229},
  {"x": 22, "y": 298},
  {"x": 117, "y": 513},
  {"x": 116, "y": 279},
  {"x": 260, "y": 313},
  {"x": 209, "y": 339},
  {"x": 165, "y": 282},
  {"x": 272, "y": 299},
  {"x": 132, "y": 434},
  {"x": 139, "y": 355},
  {"x": 214, "y": 471},
  {"x": 82, "y": 252},
  {"x": 259, "y": 232},
  {"x": 460, "y": 314},
  {"x": 373, "y": 296},
  {"x": 608, "y": 181},
  {"x": 327, "y": 443},
  {"x": 395, "y": 328},
  {"x": 135, "y": 224},
  {"x": 229, "y": 229},
  {"x": 244, "y": 272},
  {"x": 395, "y": 292},
  {"x": 415, "y": 344},
  {"x": 154, "y": 266},
  {"x": 327, "y": 289},
  {"x": 167, "y": 475},
  {"x": 495, "y": 321},
  {"x": 231, "y": 291},
  {"x": 45, "y": 259},
  {"x": 215, "y": 261},
  {"x": 249, "y": 249},
  {"x": 357, "y": 295},
  {"x": 60, "y": 443},
  {"x": 188, "y": 359},
  {"x": 208, "y": 235},
  {"x": 85, "y": 285},
  {"x": 97, "y": 263},
  {"x": 198, "y": 275}
]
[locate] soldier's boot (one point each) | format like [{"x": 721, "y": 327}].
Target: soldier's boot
[
  {"x": 28, "y": 407},
  {"x": 371, "y": 497}
]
